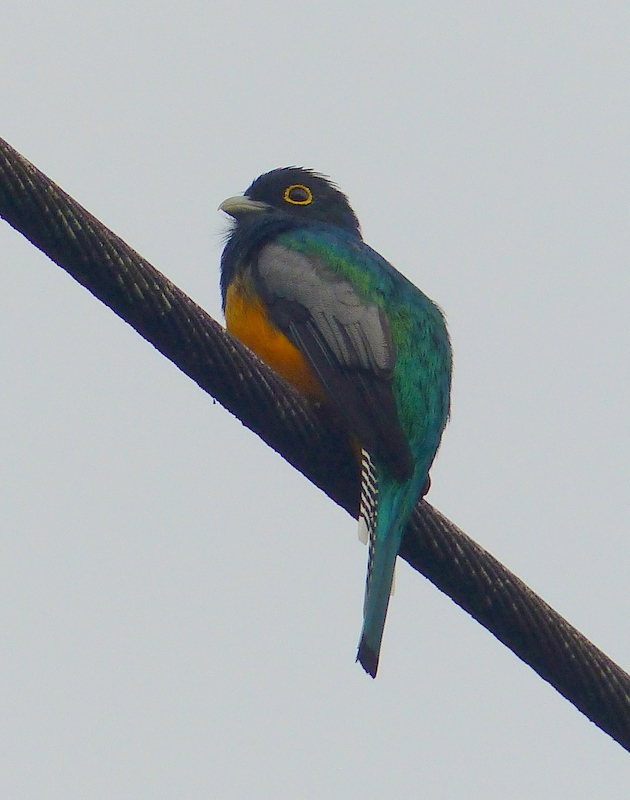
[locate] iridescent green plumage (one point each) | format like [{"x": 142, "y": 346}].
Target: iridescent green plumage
[{"x": 378, "y": 346}]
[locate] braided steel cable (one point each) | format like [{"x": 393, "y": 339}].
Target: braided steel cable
[{"x": 308, "y": 437}]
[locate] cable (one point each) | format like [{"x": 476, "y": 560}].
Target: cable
[{"x": 308, "y": 437}]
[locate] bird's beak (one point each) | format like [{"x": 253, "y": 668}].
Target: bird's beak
[{"x": 239, "y": 205}]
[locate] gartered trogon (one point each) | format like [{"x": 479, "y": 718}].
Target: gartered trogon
[{"x": 302, "y": 290}]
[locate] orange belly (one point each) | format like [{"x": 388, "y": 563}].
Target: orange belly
[{"x": 247, "y": 319}]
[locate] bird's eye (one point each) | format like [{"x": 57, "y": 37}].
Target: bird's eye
[{"x": 298, "y": 195}]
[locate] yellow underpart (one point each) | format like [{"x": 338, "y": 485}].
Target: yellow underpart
[{"x": 247, "y": 319}]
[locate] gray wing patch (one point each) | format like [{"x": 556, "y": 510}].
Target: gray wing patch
[
  {"x": 347, "y": 343},
  {"x": 357, "y": 334}
]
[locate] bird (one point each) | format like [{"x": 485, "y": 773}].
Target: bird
[{"x": 305, "y": 293}]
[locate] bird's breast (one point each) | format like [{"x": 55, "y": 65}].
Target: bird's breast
[{"x": 246, "y": 318}]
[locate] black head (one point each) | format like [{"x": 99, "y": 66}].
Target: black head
[{"x": 302, "y": 193}]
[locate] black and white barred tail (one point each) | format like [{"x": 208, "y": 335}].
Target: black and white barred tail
[
  {"x": 368, "y": 510},
  {"x": 368, "y": 505}
]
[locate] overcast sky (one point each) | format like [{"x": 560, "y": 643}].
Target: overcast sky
[{"x": 179, "y": 609}]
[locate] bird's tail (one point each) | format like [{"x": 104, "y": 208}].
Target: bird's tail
[{"x": 385, "y": 506}]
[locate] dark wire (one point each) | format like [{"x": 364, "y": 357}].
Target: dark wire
[{"x": 308, "y": 438}]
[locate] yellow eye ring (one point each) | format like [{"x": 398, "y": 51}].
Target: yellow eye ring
[{"x": 302, "y": 195}]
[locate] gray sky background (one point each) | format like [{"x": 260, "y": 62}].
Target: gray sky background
[{"x": 179, "y": 609}]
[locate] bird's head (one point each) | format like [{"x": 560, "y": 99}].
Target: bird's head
[{"x": 300, "y": 192}]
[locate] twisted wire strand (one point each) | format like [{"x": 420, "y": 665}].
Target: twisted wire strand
[{"x": 308, "y": 437}]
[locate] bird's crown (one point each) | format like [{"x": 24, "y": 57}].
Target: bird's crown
[{"x": 304, "y": 193}]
